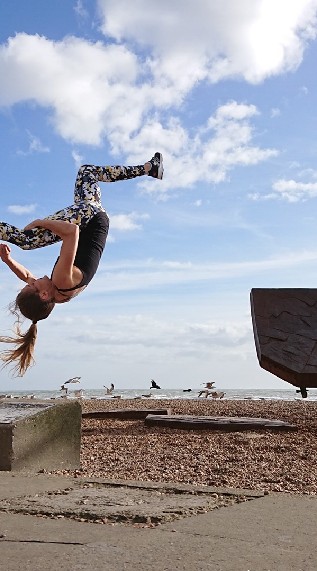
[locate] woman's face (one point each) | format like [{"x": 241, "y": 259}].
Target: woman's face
[{"x": 43, "y": 286}]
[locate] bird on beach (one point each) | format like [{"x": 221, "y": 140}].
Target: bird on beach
[
  {"x": 303, "y": 392},
  {"x": 70, "y": 381},
  {"x": 204, "y": 392},
  {"x": 79, "y": 393},
  {"x": 214, "y": 395},
  {"x": 109, "y": 390},
  {"x": 217, "y": 395}
]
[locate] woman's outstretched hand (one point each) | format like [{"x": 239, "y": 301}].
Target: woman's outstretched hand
[
  {"x": 35, "y": 224},
  {"x": 20, "y": 271},
  {"x": 5, "y": 252}
]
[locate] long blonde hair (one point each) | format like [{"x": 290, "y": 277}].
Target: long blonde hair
[
  {"x": 22, "y": 355},
  {"x": 30, "y": 305}
]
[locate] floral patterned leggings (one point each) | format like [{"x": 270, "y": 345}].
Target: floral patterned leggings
[{"x": 87, "y": 202}]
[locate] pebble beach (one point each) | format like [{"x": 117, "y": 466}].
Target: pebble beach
[{"x": 267, "y": 460}]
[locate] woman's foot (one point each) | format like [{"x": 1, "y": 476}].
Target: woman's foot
[{"x": 154, "y": 167}]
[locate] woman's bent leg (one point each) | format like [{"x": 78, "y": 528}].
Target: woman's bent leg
[
  {"x": 86, "y": 186},
  {"x": 87, "y": 202},
  {"x": 87, "y": 193},
  {"x": 27, "y": 239},
  {"x": 80, "y": 214}
]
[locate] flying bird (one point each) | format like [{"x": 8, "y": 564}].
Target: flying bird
[
  {"x": 73, "y": 380},
  {"x": 209, "y": 384}
]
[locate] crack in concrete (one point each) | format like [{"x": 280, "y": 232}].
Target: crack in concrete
[{"x": 42, "y": 541}]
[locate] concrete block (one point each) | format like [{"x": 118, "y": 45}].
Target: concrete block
[
  {"x": 285, "y": 333},
  {"x": 39, "y": 435}
]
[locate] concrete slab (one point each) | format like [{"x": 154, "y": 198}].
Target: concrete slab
[
  {"x": 39, "y": 435},
  {"x": 129, "y": 503},
  {"x": 275, "y": 533}
]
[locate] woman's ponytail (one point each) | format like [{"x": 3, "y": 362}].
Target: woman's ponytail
[
  {"x": 22, "y": 355},
  {"x": 31, "y": 306}
]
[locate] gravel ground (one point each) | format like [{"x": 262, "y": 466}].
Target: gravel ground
[{"x": 261, "y": 460}]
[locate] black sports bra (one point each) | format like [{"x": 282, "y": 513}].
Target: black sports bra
[
  {"x": 64, "y": 291},
  {"x": 91, "y": 244}
]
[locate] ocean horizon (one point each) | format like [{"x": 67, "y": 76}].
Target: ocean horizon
[{"x": 161, "y": 394}]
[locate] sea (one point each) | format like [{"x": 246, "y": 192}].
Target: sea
[{"x": 163, "y": 394}]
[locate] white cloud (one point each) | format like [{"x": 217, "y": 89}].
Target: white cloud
[
  {"x": 225, "y": 141},
  {"x": 275, "y": 112},
  {"x": 257, "y": 196},
  {"x": 35, "y": 146},
  {"x": 293, "y": 191},
  {"x": 78, "y": 158},
  {"x": 130, "y": 97},
  {"x": 146, "y": 274},
  {"x": 289, "y": 190},
  {"x": 127, "y": 222},
  {"x": 105, "y": 97},
  {"x": 162, "y": 336},
  {"x": 80, "y": 9},
  {"x": 198, "y": 39},
  {"x": 86, "y": 86},
  {"x": 20, "y": 210}
]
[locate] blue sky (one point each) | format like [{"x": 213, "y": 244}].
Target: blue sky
[{"x": 226, "y": 91}]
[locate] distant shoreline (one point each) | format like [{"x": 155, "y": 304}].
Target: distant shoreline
[{"x": 288, "y": 394}]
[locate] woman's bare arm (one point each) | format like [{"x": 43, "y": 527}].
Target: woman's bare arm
[
  {"x": 20, "y": 271},
  {"x": 63, "y": 272},
  {"x": 59, "y": 227},
  {"x": 69, "y": 233}
]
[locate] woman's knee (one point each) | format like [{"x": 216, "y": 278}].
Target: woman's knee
[{"x": 85, "y": 169}]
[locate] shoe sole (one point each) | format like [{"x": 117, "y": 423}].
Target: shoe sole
[{"x": 160, "y": 170}]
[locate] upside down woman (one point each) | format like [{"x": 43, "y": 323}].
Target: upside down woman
[{"x": 82, "y": 228}]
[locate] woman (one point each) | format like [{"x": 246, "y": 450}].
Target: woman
[{"x": 82, "y": 228}]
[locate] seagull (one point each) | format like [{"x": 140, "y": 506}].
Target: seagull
[
  {"x": 109, "y": 391},
  {"x": 79, "y": 393},
  {"x": 73, "y": 380},
  {"x": 214, "y": 395},
  {"x": 209, "y": 384},
  {"x": 303, "y": 392},
  {"x": 205, "y": 393},
  {"x": 217, "y": 395}
]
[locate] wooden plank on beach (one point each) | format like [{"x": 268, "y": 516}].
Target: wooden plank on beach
[
  {"x": 126, "y": 413},
  {"x": 225, "y": 423}
]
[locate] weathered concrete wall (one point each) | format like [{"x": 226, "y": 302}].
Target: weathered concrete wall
[
  {"x": 285, "y": 333},
  {"x": 39, "y": 435}
]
